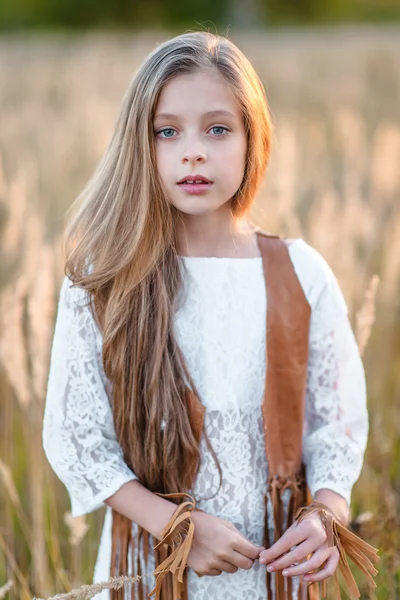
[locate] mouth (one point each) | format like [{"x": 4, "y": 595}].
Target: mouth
[
  {"x": 197, "y": 187},
  {"x": 194, "y": 180}
]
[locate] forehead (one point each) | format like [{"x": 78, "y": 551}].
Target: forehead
[{"x": 195, "y": 94}]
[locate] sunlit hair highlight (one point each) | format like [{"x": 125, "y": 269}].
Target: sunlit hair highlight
[{"x": 120, "y": 246}]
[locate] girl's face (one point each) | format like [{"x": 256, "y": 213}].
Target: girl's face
[{"x": 199, "y": 130}]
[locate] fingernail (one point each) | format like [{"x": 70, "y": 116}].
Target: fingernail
[
  {"x": 270, "y": 568},
  {"x": 285, "y": 572}
]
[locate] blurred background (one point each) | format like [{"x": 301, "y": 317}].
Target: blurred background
[{"x": 332, "y": 75}]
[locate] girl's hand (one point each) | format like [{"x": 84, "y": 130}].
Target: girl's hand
[
  {"x": 300, "y": 540},
  {"x": 219, "y": 546}
]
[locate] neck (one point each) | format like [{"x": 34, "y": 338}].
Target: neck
[{"x": 216, "y": 234}]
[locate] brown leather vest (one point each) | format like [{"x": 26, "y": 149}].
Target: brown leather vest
[{"x": 288, "y": 318}]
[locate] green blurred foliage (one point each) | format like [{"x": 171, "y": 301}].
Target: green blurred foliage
[
  {"x": 137, "y": 14},
  {"x": 314, "y": 11}
]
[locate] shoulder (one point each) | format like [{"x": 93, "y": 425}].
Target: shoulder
[
  {"x": 313, "y": 271},
  {"x": 315, "y": 274},
  {"x": 72, "y": 294},
  {"x": 72, "y": 297},
  {"x": 303, "y": 254},
  {"x": 75, "y": 314}
]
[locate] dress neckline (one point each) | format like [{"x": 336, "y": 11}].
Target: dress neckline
[
  {"x": 215, "y": 258},
  {"x": 244, "y": 259}
]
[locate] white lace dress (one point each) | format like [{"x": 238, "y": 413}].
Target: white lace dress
[{"x": 220, "y": 325}]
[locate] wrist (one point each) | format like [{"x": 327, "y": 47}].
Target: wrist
[
  {"x": 335, "y": 503},
  {"x": 196, "y": 514},
  {"x": 164, "y": 512},
  {"x": 166, "y": 517}
]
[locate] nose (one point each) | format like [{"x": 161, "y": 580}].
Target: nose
[{"x": 194, "y": 157}]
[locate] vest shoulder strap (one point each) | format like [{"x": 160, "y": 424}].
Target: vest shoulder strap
[{"x": 261, "y": 231}]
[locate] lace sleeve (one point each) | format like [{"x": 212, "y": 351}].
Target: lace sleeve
[
  {"x": 78, "y": 428},
  {"x": 336, "y": 418}
]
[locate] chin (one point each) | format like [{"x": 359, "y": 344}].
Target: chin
[
  {"x": 197, "y": 205},
  {"x": 195, "y": 211}
]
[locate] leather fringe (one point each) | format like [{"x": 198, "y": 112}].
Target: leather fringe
[
  {"x": 177, "y": 536},
  {"x": 121, "y": 542},
  {"x": 346, "y": 542},
  {"x": 170, "y": 553},
  {"x": 173, "y": 550},
  {"x": 276, "y": 485},
  {"x": 267, "y": 544},
  {"x": 299, "y": 497}
]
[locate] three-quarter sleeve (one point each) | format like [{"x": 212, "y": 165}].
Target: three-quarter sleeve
[
  {"x": 79, "y": 438},
  {"x": 336, "y": 418}
]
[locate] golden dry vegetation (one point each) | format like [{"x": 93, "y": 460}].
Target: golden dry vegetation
[{"x": 334, "y": 179}]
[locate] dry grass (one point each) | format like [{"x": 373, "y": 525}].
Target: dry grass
[
  {"x": 333, "y": 179},
  {"x": 6, "y": 588}
]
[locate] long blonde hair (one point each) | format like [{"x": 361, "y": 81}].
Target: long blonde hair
[{"x": 120, "y": 246}]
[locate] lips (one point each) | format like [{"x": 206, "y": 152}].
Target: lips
[
  {"x": 193, "y": 179},
  {"x": 195, "y": 188}
]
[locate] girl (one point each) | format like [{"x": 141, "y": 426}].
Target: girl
[{"x": 169, "y": 295}]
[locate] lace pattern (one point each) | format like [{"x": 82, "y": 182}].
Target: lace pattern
[
  {"x": 78, "y": 428},
  {"x": 336, "y": 419},
  {"x": 220, "y": 326}
]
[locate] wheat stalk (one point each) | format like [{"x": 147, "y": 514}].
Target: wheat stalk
[
  {"x": 365, "y": 316},
  {"x": 2, "y": 178},
  {"x": 41, "y": 308},
  {"x": 385, "y": 178},
  {"x": 13, "y": 354},
  {"x": 6, "y": 588},
  {"x": 26, "y": 593},
  {"x": 9, "y": 486},
  {"x": 77, "y": 527},
  {"x": 12, "y": 236},
  {"x": 88, "y": 591},
  {"x": 348, "y": 203},
  {"x": 391, "y": 259}
]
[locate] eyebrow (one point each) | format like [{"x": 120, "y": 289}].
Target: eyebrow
[{"x": 210, "y": 113}]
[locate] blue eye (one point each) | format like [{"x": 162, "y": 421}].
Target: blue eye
[
  {"x": 220, "y": 127},
  {"x": 158, "y": 133},
  {"x": 163, "y": 130}
]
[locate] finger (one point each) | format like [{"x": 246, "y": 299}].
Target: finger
[
  {"x": 253, "y": 549},
  {"x": 328, "y": 569},
  {"x": 316, "y": 560},
  {"x": 259, "y": 548},
  {"x": 226, "y": 566},
  {"x": 210, "y": 573},
  {"x": 198, "y": 574},
  {"x": 247, "y": 548},
  {"x": 213, "y": 572},
  {"x": 290, "y": 538},
  {"x": 298, "y": 554},
  {"x": 241, "y": 561}
]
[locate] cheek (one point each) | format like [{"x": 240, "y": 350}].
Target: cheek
[
  {"x": 237, "y": 148},
  {"x": 235, "y": 157},
  {"x": 163, "y": 164}
]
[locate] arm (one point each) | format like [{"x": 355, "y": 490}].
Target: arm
[
  {"x": 336, "y": 418},
  {"x": 78, "y": 429},
  {"x": 334, "y": 501},
  {"x": 148, "y": 510},
  {"x": 80, "y": 443},
  {"x": 334, "y": 439}
]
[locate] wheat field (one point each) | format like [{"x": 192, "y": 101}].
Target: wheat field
[{"x": 334, "y": 179}]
